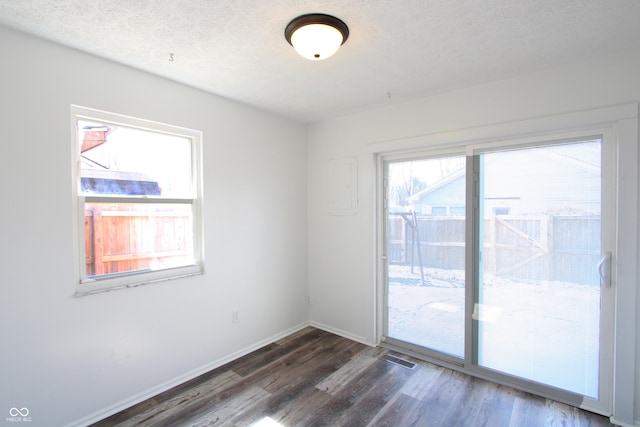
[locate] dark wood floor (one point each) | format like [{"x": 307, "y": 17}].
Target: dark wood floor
[{"x": 314, "y": 378}]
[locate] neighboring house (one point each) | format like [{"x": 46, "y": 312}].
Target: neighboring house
[
  {"x": 445, "y": 197},
  {"x": 95, "y": 181},
  {"x": 98, "y": 178},
  {"x": 531, "y": 193}
]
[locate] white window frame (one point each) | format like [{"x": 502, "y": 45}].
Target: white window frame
[{"x": 90, "y": 285}]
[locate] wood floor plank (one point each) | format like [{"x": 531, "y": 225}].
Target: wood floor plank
[
  {"x": 374, "y": 398},
  {"x": 259, "y": 358},
  {"x": 562, "y": 415},
  {"x": 444, "y": 399},
  {"x": 282, "y": 404},
  {"x": 219, "y": 414},
  {"x": 303, "y": 361},
  {"x": 294, "y": 387},
  {"x": 122, "y": 417},
  {"x": 296, "y": 335},
  {"x": 298, "y": 413},
  {"x": 420, "y": 383},
  {"x": 338, "y": 380},
  {"x": 470, "y": 403},
  {"x": 559, "y": 415},
  {"x": 315, "y": 378},
  {"x": 497, "y": 407},
  {"x": 401, "y": 410},
  {"x": 178, "y": 403},
  {"x": 352, "y": 400},
  {"x": 528, "y": 411},
  {"x": 222, "y": 395}
]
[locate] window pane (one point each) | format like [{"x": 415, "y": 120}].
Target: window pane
[
  {"x": 125, "y": 237},
  {"x": 539, "y": 290},
  {"x": 117, "y": 160},
  {"x": 426, "y": 253}
]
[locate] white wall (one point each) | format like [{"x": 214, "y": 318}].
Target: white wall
[
  {"x": 341, "y": 249},
  {"x": 66, "y": 359}
]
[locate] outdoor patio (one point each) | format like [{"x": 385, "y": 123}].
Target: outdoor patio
[{"x": 546, "y": 332}]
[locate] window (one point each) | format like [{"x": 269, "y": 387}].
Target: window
[
  {"x": 139, "y": 200},
  {"x": 438, "y": 210},
  {"x": 501, "y": 211}
]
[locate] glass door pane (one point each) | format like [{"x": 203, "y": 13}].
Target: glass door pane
[
  {"x": 538, "y": 297},
  {"x": 425, "y": 239}
]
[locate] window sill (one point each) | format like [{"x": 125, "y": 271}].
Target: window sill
[{"x": 129, "y": 281}]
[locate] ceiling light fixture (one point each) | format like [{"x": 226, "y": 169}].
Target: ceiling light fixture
[{"x": 316, "y": 36}]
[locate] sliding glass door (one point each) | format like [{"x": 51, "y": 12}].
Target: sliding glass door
[
  {"x": 539, "y": 289},
  {"x": 497, "y": 262},
  {"x": 426, "y": 247}
]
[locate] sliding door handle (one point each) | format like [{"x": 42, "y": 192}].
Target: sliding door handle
[{"x": 604, "y": 268}]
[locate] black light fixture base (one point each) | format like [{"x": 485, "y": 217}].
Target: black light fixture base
[{"x": 316, "y": 18}]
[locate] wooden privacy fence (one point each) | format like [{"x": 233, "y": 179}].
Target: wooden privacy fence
[
  {"x": 530, "y": 248},
  {"x": 120, "y": 237}
]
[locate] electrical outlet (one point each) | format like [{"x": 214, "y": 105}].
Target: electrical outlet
[{"x": 235, "y": 316}]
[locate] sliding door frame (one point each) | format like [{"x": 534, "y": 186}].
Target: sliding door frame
[
  {"x": 384, "y": 161},
  {"x": 602, "y": 404},
  {"x": 615, "y": 124}
]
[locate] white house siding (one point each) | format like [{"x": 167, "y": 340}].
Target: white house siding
[{"x": 511, "y": 187}]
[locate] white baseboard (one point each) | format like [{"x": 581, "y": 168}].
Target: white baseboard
[
  {"x": 154, "y": 391},
  {"x": 342, "y": 333}
]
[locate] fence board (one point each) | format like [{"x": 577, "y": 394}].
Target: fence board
[
  {"x": 123, "y": 238},
  {"x": 531, "y": 248}
]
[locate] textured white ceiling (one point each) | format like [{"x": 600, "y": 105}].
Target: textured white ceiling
[{"x": 402, "y": 48}]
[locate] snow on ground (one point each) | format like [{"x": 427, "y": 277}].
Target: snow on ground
[{"x": 544, "y": 332}]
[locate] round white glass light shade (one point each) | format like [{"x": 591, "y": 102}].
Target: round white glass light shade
[{"x": 316, "y": 41}]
